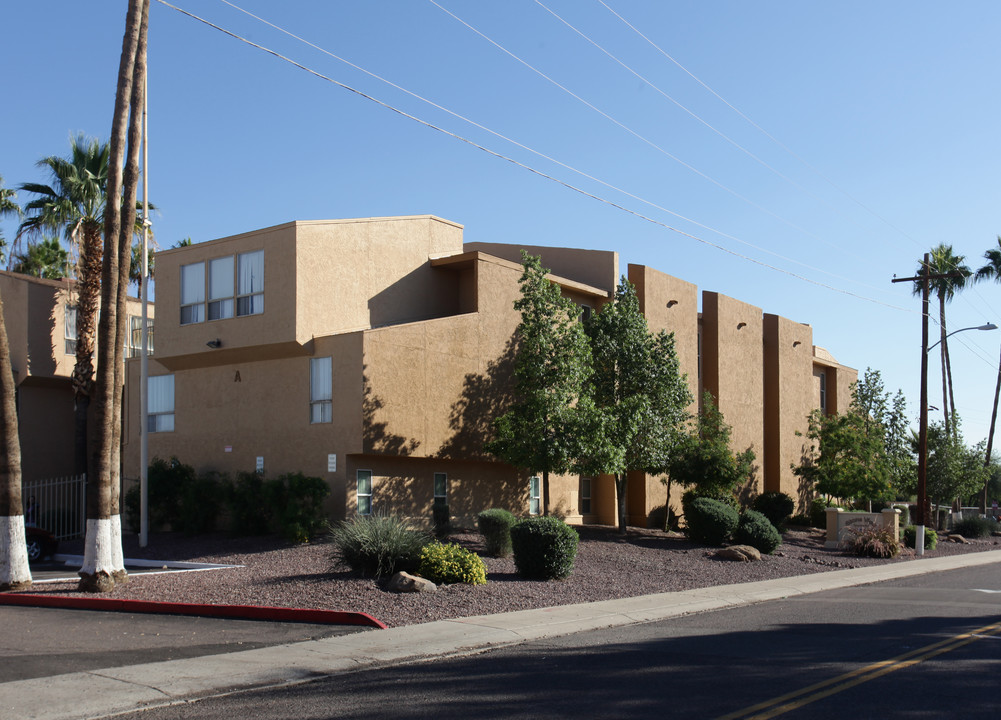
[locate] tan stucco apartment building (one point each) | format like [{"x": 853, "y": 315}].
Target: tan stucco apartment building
[{"x": 376, "y": 352}]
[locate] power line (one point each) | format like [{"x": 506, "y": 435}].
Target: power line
[{"x": 530, "y": 169}]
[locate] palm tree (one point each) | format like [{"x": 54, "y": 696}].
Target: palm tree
[
  {"x": 942, "y": 262},
  {"x": 75, "y": 204},
  {"x": 46, "y": 259},
  {"x": 8, "y": 206},
  {"x": 14, "y": 570},
  {"x": 991, "y": 271}
]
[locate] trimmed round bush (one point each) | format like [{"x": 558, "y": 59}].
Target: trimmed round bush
[
  {"x": 449, "y": 563},
  {"x": 544, "y": 548},
  {"x": 710, "y": 521},
  {"x": 377, "y": 545},
  {"x": 690, "y": 496},
  {"x": 495, "y": 525},
  {"x": 910, "y": 535},
  {"x": 774, "y": 505},
  {"x": 756, "y": 530}
]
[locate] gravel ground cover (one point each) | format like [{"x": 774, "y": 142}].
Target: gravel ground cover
[{"x": 273, "y": 572}]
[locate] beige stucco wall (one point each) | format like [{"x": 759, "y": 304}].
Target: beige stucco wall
[
  {"x": 789, "y": 396},
  {"x": 599, "y": 268},
  {"x": 732, "y": 370}
]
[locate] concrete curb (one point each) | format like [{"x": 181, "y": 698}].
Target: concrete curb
[
  {"x": 104, "y": 692},
  {"x": 236, "y": 612}
]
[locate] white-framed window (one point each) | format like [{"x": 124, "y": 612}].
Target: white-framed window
[
  {"x": 134, "y": 342},
  {"x": 364, "y": 479},
  {"x": 192, "y": 293},
  {"x": 823, "y": 391},
  {"x": 320, "y": 390},
  {"x": 221, "y": 294},
  {"x": 160, "y": 403},
  {"x": 534, "y": 486},
  {"x": 440, "y": 489},
  {"x": 69, "y": 329},
  {"x": 250, "y": 284},
  {"x": 234, "y": 286},
  {"x": 585, "y": 496}
]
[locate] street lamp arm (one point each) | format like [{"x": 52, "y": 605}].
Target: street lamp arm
[{"x": 988, "y": 326}]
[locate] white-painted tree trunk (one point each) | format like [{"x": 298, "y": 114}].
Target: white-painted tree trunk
[
  {"x": 14, "y": 569},
  {"x": 98, "y": 553},
  {"x": 117, "y": 555}
]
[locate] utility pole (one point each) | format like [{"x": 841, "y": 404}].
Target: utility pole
[{"x": 923, "y": 513}]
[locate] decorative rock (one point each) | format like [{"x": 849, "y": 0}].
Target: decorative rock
[
  {"x": 405, "y": 582},
  {"x": 741, "y": 553}
]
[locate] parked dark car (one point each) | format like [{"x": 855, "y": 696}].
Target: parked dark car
[{"x": 41, "y": 544}]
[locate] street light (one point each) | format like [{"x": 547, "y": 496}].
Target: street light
[{"x": 988, "y": 326}]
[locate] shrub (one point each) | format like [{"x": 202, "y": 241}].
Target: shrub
[
  {"x": 691, "y": 496},
  {"x": 910, "y": 535},
  {"x": 975, "y": 527},
  {"x": 544, "y": 548},
  {"x": 799, "y": 521},
  {"x": 177, "y": 498},
  {"x": 248, "y": 507},
  {"x": 871, "y": 541},
  {"x": 495, "y": 525},
  {"x": 201, "y": 500},
  {"x": 818, "y": 512},
  {"x": 710, "y": 521},
  {"x": 449, "y": 563},
  {"x": 662, "y": 518},
  {"x": 442, "y": 521},
  {"x": 296, "y": 503},
  {"x": 774, "y": 505},
  {"x": 377, "y": 545},
  {"x": 756, "y": 530}
]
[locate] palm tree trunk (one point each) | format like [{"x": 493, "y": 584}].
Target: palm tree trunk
[
  {"x": 87, "y": 308},
  {"x": 990, "y": 439},
  {"x": 945, "y": 359},
  {"x": 15, "y": 574},
  {"x": 99, "y": 570}
]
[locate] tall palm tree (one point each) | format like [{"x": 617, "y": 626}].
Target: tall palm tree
[
  {"x": 75, "y": 204},
  {"x": 45, "y": 259},
  {"x": 14, "y": 570},
  {"x": 991, "y": 271},
  {"x": 944, "y": 261}
]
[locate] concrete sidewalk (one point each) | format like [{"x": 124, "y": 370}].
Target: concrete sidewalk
[{"x": 102, "y": 692}]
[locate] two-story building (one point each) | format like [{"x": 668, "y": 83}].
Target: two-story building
[{"x": 376, "y": 352}]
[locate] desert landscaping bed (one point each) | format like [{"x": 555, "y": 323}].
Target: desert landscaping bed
[{"x": 275, "y": 573}]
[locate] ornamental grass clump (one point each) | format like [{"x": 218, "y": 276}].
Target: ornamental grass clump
[
  {"x": 975, "y": 527},
  {"x": 756, "y": 530},
  {"x": 495, "y": 525},
  {"x": 871, "y": 541},
  {"x": 377, "y": 545},
  {"x": 446, "y": 564},
  {"x": 544, "y": 548},
  {"x": 710, "y": 521}
]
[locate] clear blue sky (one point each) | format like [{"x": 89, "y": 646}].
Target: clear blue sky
[{"x": 876, "y": 138}]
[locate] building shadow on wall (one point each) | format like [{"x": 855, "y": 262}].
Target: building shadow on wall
[
  {"x": 376, "y": 437},
  {"x": 750, "y": 489},
  {"x": 485, "y": 396}
]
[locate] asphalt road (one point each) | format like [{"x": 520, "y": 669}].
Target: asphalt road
[
  {"x": 42, "y": 642},
  {"x": 925, "y": 647}
]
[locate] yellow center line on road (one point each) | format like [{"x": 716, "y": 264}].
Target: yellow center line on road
[{"x": 794, "y": 700}]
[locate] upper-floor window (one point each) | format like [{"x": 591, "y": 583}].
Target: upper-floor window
[
  {"x": 234, "y": 285},
  {"x": 320, "y": 390},
  {"x": 823, "y": 391},
  {"x": 69, "y": 329}
]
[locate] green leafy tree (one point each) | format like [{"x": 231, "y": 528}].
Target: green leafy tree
[
  {"x": 640, "y": 396},
  {"x": 540, "y": 431},
  {"x": 942, "y": 261},
  {"x": 704, "y": 460},
  {"x": 860, "y": 454},
  {"x": 954, "y": 470}
]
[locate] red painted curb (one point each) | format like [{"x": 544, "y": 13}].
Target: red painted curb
[{"x": 240, "y": 612}]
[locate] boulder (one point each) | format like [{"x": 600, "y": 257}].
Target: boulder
[
  {"x": 405, "y": 582},
  {"x": 741, "y": 553}
]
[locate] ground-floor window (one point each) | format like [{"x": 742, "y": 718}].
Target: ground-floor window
[
  {"x": 585, "y": 496},
  {"x": 160, "y": 407},
  {"x": 364, "y": 492},
  {"x": 533, "y": 495},
  {"x": 440, "y": 489}
]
